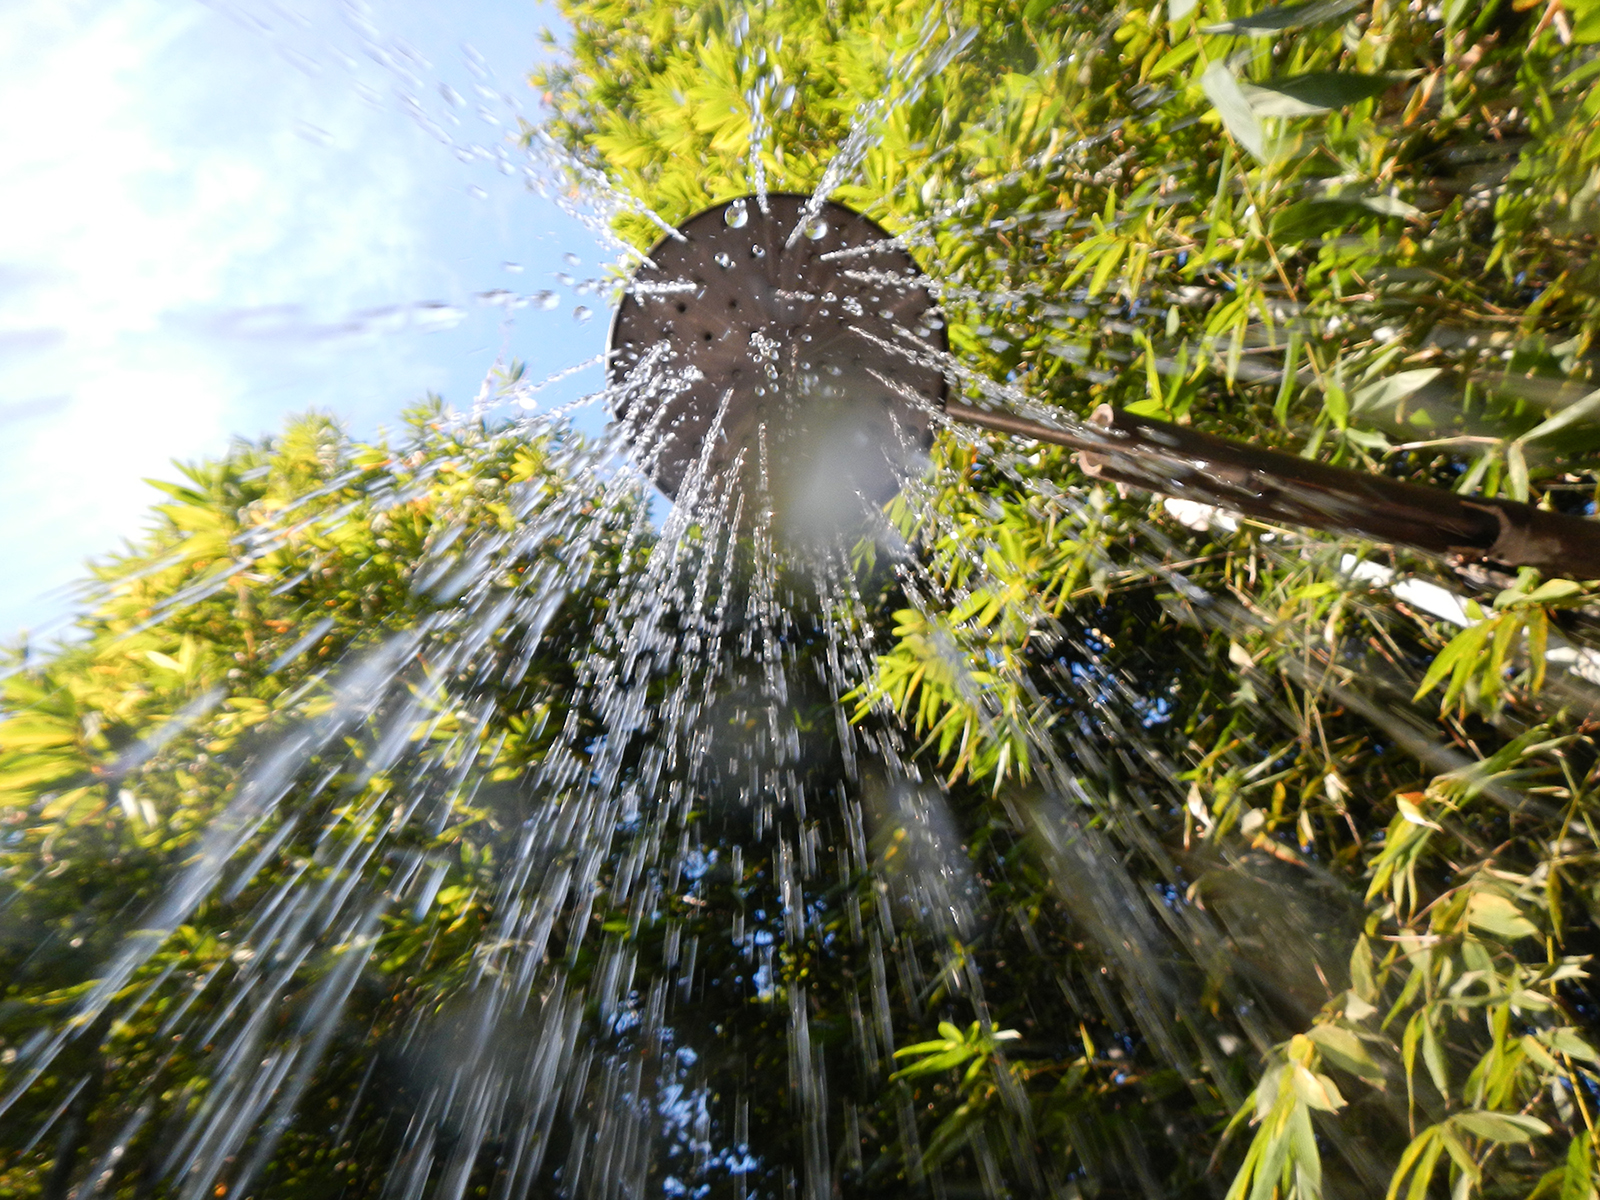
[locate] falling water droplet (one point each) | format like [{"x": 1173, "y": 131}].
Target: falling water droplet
[
  {"x": 786, "y": 101},
  {"x": 572, "y": 260},
  {"x": 476, "y": 192},
  {"x": 581, "y": 313},
  {"x": 547, "y": 300},
  {"x": 514, "y": 268},
  {"x": 736, "y": 215},
  {"x": 815, "y": 228}
]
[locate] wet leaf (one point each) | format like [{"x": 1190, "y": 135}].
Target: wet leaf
[
  {"x": 1580, "y": 421},
  {"x": 1313, "y": 92},
  {"x": 1269, "y": 21},
  {"x": 1499, "y": 916},
  {"x": 1506, "y": 1128},
  {"x": 1569, "y": 1042},
  {"x": 1389, "y": 391},
  {"x": 1345, "y": 1050},
  {"x": 1318, "y": 1091},
  {"x": 1223, "y": 90}
]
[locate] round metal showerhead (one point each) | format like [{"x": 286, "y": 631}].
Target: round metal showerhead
[{"x": 789, "y": 341}]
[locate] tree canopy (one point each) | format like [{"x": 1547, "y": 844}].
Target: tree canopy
[{"x": 388, "y": 828}]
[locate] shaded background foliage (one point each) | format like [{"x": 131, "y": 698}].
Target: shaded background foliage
[{"x": 1345, "y": 944}]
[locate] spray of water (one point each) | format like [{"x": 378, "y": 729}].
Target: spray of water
[{"x": 605, "y": 854}]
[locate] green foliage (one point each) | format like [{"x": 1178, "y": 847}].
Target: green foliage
[
  {"x": 1353, "y": 953},
  {"x": 1359, "y": 231},
  {"x": 267, "y": 581}
]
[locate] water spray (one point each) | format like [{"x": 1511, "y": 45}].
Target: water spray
[{"x": 802, "y": 341}]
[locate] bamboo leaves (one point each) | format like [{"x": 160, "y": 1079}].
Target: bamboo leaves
[
  {"x": 1283, "y": 1158},
  {"x": 1238, "y": 117},
  {"x": 1477, "y": 659},
  {"x": 1268, "y": 22},
  {"x": 1313, "y": 93}
]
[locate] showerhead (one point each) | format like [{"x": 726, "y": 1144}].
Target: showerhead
[
  {"x": 802, "y": 345},
  {"x": 792, "y": 341}
]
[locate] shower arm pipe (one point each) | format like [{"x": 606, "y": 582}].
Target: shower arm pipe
[{"x": 1269, "y": 485}]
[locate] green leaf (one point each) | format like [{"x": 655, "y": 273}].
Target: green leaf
[
  {"x": 1579, "y": 1181},
  {"x": 1222, "y": 89},
  {"x": 1459, "y": 655},
  {"x": 1388, "y": 206},
  {"x": 1389, "y": 391},
  {"x": 1517, "y": 472},
  {"x": 1567, "y": 1041},
  {"x": 1346, "y": 1051},
  {"x": 1509, "y": 1128},
  {"x": 1583, "y": 412},
  {"x": 1433, "y": 1057},
  {"x": 1585, "y": 25},
  {"x": 1497, "y": 915},
  {"x": 1318, "y": 1091},
  {"x": 1556, "y": 589},
  {"x": 1269, "y": 21},
  {"x": 1313, "y": 92}
]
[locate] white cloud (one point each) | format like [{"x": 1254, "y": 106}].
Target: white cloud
[{"x": 192, "y": 211}]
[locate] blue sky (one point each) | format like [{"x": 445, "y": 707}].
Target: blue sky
[{"x": 219, "y": 214}]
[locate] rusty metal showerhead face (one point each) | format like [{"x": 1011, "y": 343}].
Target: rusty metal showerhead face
[{"x": 791, "y": 345}]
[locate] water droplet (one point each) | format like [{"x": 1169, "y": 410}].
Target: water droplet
[
  {"x": 514, "y": 268},
  {"x": 563, "y": 279},
  {"x": 476, "y": 192},
  {"x": 723, "y": 261},
  {"x": 581, "y": 313},
  {"x": 736, "y": 214},
  {"x": 547, "y": 300},
  {"x": 786, "y": 101},
  {"x": 316, "y": 135},
  {"x": 758, "y": 251},
  {"x": 435, "y": 316},
  {"x": 572, "y": 260},
  {"x": 816, "y": 228}
]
